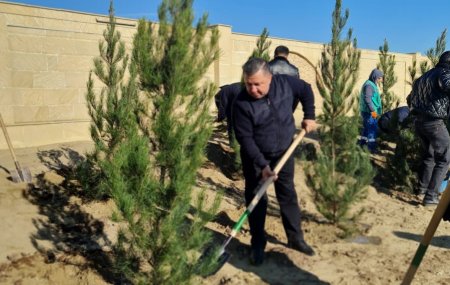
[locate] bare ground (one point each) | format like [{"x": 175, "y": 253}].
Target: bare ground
[{"x": 49, "y": 235}]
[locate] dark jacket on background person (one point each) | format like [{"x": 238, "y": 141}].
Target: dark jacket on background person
[
  {"x": 429, "y": 97},
  {"x": 280, "y": 65},
  {"x": 225, "y": 99},
  {"x": 266, "y": 126},
  {"x": 394, "y": 120}
]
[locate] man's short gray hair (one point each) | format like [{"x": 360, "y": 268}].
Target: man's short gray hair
[{"x": 255, "y": 64}]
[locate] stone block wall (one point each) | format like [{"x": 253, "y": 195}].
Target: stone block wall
[{"x": 46, "y": 55}]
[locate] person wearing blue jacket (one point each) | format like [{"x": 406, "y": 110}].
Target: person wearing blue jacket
[
  {"x": 370, "y": 108},
  {"x": 264, "y": 126}
]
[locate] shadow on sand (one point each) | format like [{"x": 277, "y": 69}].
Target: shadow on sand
[
  {"x": 67, "y": 231},
  {"x": 437, "y": 241}
]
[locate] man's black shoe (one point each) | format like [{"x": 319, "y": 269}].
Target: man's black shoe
[
  {"x": 301, "y": 246},
  {"x": 257, "y": 256}
]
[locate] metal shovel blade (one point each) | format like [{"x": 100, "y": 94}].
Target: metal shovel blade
[{"x": 21, "y": 175}]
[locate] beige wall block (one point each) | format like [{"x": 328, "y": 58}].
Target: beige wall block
[
  {"x": 30, "y": 97},
  {"x": 7, "y": 114},
  {"x": 27, "y": 61},
  {"x": 53, "y": 97},
  {"x": 26, "y": 43},
  {"x": 51, "y": 79},
  {"x": 61, "y": 113},
  {"x": 76, "y": 79},
  {"x": 22, "y": 79},
  {"x": 7, "y": 97},
  {"x": 76, "y": 131},
  {"x": 5, "y": 75},
  {"x": 81, "y": 112},
  {"x": 30, "y": 114},
  {"x": 74, "y": 63}
]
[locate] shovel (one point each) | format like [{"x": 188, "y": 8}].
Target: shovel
[
  {"x": 20, "y": 174},
  {"x": 428, "y": 235},
  {"x": 222, "y": 255}
]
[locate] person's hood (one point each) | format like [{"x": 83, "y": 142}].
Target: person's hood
[
  {"x": 444, "y": 60},
  {"x": 375, "y": 74}
]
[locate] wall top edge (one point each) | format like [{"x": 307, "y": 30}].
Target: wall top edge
[{"x": 64, "y": 10}]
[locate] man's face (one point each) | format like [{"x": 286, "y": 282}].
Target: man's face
[{"x": 258, "y": 84}]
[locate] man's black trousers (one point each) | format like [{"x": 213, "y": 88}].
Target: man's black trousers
[{"x": 286, "y": 196}]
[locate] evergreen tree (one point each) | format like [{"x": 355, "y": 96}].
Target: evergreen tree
[
  {"x": 433, "y": 54},
  {"x": 343, "y": 170},
  {"x": 112, "y": 111},
  {"x": 387, "y": 64},
  {"x": 262, "y": 46},
  {"x": 412, "y": 72},
  {"x": 164, "y": 235}
]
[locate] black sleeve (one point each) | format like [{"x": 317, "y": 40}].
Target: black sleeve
[
  {"x": 444, "y": 81},
  {"x": 303, "y": 92},
  {"x": 244, "y": 134},
  {"x": 220, "y": 106}
]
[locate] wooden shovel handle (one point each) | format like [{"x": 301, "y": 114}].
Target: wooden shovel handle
[
  {"x": 428, "y": 235},
  {"x": 289, "y": 151},
  {"x": 8, "y": 141}
]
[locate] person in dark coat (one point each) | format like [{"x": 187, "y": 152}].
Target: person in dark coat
[
  {"x": 264, "y": 127},
  {"x": 280, "y": 65},
  {"x": 224, "y": 100},
  {"x": 429, "y": 102},
  {"x": 394, "y": 120}
]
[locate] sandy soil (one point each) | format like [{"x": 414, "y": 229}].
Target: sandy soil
[{"x": 51, "y": 236}]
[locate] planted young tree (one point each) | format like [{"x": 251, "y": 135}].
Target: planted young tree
[
  {"x": 433, "y": 54},
  {"x": 262, "y": 46},
  {"x": 412, "y": 70},
  {"x": 387, "y": 64},
  {"x": 342, "y": 171},
  {"x": 166, "y": 215},
  {"x": 112, "y": 110}
]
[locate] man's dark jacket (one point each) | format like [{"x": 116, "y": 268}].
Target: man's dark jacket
[
  {"x": 429, "y": 97},
  {"x": 266, "y": 126},
  {"x": 280, "y": 65}
]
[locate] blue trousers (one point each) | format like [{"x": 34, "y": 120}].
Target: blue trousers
[{"x": 369, "y": 132}]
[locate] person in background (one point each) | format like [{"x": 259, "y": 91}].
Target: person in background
[
  {"x": 264, "y": 127},
  {"x": 429, "y": 103},
  {"x": 370, "y": 108},
  {"x": 280, "y": 65},
  {"x": 224, "y": 100}
]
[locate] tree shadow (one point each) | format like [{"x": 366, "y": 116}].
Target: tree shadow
[
  {"x": 275, "y": 259},
  {"x": 221, "y": 155},
  {"x": 437, "y": 241},
  {"x": 66, "y": 229}
]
